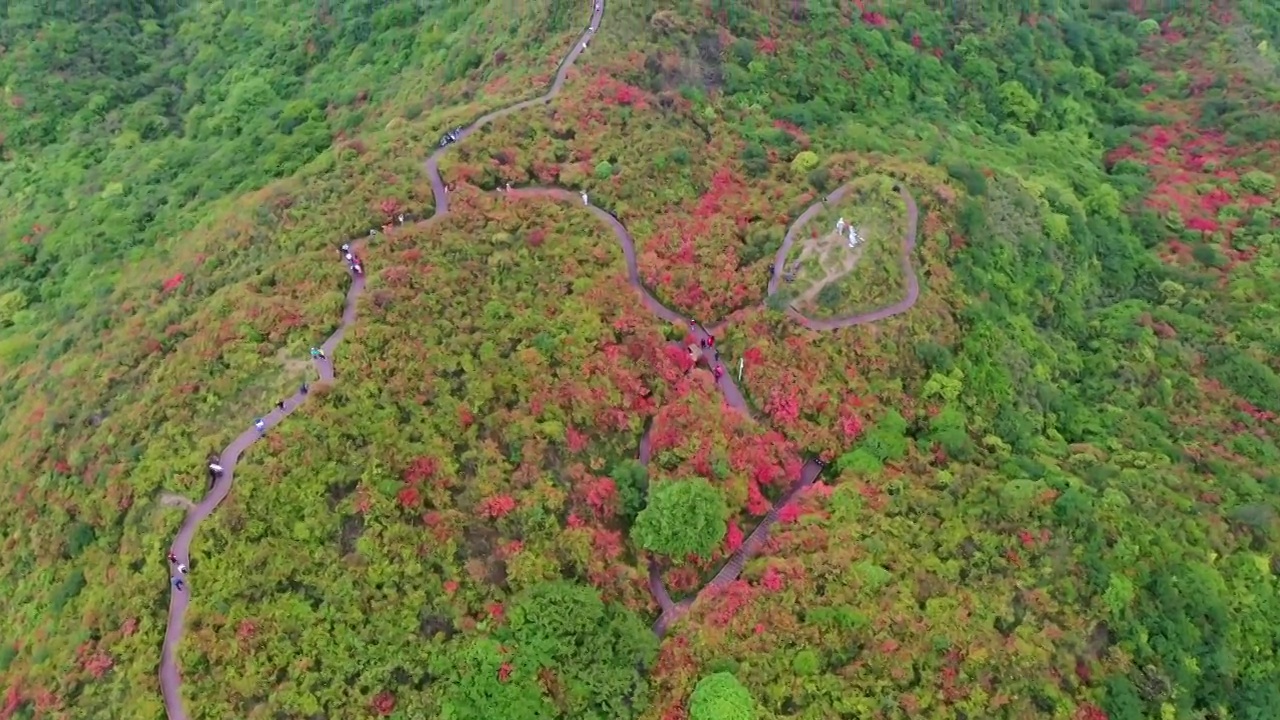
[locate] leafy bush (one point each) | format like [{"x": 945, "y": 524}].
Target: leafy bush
[{"x": 683, "y": 517}]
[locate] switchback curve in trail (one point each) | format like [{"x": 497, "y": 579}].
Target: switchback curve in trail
[
  {"x": 908, "y": 270},
  {"x": 170, "y": 678},
  {"x": 733, "y": 397},
  {"x": 733, "y": 566},
  {"x": 809, "y": 473}
]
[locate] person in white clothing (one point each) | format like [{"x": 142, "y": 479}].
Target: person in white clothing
[
  {"x": 182, "y": 569},
  {"x": 584, "y": 198}
]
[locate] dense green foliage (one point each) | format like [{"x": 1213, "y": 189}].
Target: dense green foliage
[
  {"x": 163, "y": 110},
  {"x": 685, "y": 517},
  {"x": 1053, "y": 489},
  {"x": 721, "y": 697},
  {"x": 594, "y": 652}
]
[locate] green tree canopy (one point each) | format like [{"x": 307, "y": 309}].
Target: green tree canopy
[
  {"x": 686, "y": 517},
  {"x": 596, "y": 650},
  {"x": 483, "y": 683},
  {"x": 1019, "y": 105},
  {"x": 721, "y": 697}
]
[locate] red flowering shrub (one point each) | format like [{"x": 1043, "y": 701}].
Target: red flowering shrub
[{"x": 497, "y": 506}]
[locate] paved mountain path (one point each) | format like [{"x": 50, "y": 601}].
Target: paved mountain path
[{"x": 170, "y": 677}]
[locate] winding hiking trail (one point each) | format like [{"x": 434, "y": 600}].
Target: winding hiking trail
[
  {"x": 170, "y": 680},
  {"x": 170, "y": 677}
]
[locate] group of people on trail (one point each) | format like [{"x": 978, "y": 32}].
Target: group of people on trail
[
  {"x": 708, "y": 345},
  {"x": 451, "y": 136},
  {"x": 178, "y": 582},
  {"x": 260, "y": 424},
  {"x": 353, "y": 260}
]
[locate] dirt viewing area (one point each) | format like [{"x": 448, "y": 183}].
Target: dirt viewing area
[{"x": 847, "y": 257}]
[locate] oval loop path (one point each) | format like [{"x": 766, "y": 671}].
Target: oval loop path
[
  {"x": 170, "y": 677},
  {"x": 908, "y": 270}
]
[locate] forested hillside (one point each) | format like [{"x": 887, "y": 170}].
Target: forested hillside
[
  {"x": 1050, "y": 487},
  {"x": 157, "y": 113}
]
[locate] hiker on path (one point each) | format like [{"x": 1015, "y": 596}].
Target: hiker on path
[
  {"x": 179, "y": 584},
  {"x": 173, "y": 557},
  {"x": 718, "y": 372},
  {"x": 317, "y": 353},
  {"x": 182, "y": 569},
  {"x": 305, "y": 387},
  {"x": 346, "y": 248},
  {"x": 584, "y": 192},
  {"x": 280, "y": 405},
  {"x": 711, "y": 340},
  {"x": 262, "y": 426}
]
